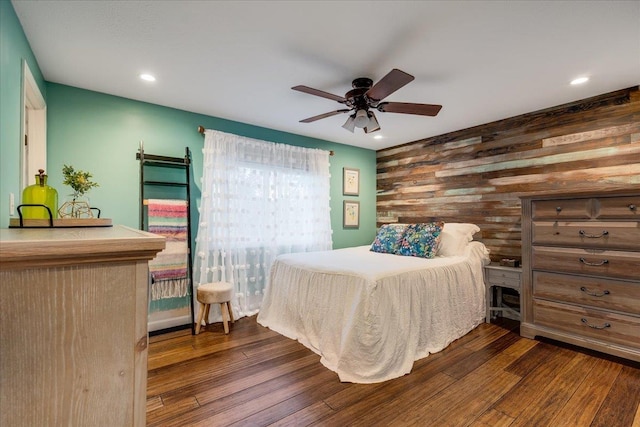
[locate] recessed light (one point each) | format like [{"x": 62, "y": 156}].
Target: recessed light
[
  {"x": 147, "y": 77},
  {"x": 378, "y": 137},
  {"x": 579, "y": 80}
]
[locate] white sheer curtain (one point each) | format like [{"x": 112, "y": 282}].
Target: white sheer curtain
[{"x": 259, "y": 200}]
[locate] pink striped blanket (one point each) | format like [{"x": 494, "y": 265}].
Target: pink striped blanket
[{"x": 168, "y": 270}]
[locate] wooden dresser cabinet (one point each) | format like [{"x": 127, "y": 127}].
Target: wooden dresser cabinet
[
  {"x": 581, "y": 270},
  {"x": 73, "y": 326}
]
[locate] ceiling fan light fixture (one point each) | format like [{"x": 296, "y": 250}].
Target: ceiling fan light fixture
[
  {"x": 361, "y": 119},
  {"x": 366, "y": 96},
  {"x": 350, "y": 124},
  {"x": 373, "y": 124}
]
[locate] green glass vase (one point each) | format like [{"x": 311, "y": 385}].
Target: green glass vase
[{"x": 40, "y": 194}]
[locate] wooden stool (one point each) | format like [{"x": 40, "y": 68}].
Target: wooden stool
[{"x": 215, "y": 293}]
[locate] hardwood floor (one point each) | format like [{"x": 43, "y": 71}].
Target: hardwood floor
[{"x": 490, "y": 377}]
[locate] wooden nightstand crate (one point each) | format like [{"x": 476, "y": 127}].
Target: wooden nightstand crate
[{"x": 498, "y": 277}]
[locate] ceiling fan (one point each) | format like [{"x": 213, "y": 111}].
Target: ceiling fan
[{"x": 365, "y": 96}]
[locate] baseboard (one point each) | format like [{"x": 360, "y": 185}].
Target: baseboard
[{"x": 160, "y": 324}]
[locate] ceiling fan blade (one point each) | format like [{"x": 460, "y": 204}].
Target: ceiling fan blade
[
  {"x": 409, "y": 108},
  {"x": 350, "y": 124},
  {"x": 323, "y": 116},
  {"x": 373, "y": 123},
  {"x": 317, "y": 92},
  {"x": 389, "y": 84}
]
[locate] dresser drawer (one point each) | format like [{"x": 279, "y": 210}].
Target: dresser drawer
[
  {"x": 505, "y": 278},
  {"x": 592, "y": 291},
  {"x": 618, "y": 207},
  {"x": 592, "y": 234},
  {"x": 559, "y": 209},
  {"x": 586, "y": 322},
  {"x": 593, "y": 262}
]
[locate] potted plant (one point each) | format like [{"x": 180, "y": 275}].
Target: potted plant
[{"x": 77, "y": 205}]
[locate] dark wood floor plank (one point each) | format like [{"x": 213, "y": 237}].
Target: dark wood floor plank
[
  {"x": 482, "y": 387},
  {"x": 486, "y": 335},
  {"x": 588, "y": 396},
  {"x": 481, "y": 355},
  {"x": 475, "y": 403},
  {"x": 238, "y": 379},
  {"x": 622, "y": 402},
  {"x": 243, "y": 379},
  {"x": 171, "y": 410},
  {"x": 532, "y": 359},
  {"x": 395, "y": 411},
  {"x": 243, "y": 396},
  {"x": 207, "y": 415},
  {"x": 160, "y": 338},
  {"x": 557, "y": 392},
  {"x": 270, "y": 348},
  {"x": 154, "y": 403},
  {"x": 202, "y": 369},
  {"x": 381, "y": 408},
  {"x": 312, "y": 395},
  {"x": 206, "y": 343},
  {"x": 492, "y": 418},
  {"x": 468, "y": 398},
  {"x": 265, "y": 389},
  {"x": 529, "y": 390},
  {"x": 306, "y": 416},
  {"x": 212, "y": 366}
]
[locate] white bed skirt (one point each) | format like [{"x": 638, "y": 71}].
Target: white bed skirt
[{"x": 369, "y": 315}]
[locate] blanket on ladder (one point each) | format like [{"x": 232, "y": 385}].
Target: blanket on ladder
[{"x": 169, "y": 277}]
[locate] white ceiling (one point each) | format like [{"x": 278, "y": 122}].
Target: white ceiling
[{"x": 482, "y": 60}]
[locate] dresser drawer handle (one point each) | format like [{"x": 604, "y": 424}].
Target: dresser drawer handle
[
  {"x": 593, "y": 236},
  {"x": 558, "y": 209},
  {"x": 594, "y": 264},
  {"x": 594, "y": 294},
  {"x": 586, "y": 322},
  {"x": 632, "y": 207}
]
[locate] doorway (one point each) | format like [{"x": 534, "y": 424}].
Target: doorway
[{"x": 33, "y": 151}]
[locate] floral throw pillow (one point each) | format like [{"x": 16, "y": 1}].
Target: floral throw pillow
[
  {"x": 421, "y": 240},
  {"x": 388, "y": 238}
]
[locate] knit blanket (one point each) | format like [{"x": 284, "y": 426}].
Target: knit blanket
[{"x": 169, "y": 276}]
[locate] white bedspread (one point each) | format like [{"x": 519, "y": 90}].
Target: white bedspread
[{"x": 370, "y": 315}]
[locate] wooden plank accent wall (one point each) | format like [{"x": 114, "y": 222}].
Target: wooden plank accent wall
[{"x": 478, "y": 174}]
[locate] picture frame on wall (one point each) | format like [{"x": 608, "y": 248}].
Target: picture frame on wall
[
  {"x": 350, "y": 182},
  {"x": 351, "y": 214}
]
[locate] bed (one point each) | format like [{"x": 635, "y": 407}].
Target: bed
[{"x": 370, "y": 315}]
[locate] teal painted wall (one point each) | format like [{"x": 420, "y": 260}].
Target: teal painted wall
[
  {"x": 100, "y": 133},
  {"x": 14, "y": 49}
]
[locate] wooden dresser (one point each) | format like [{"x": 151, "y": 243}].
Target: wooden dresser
[
  {"x": 581, "y": 270},
  {"x": 73, "y": 326}
]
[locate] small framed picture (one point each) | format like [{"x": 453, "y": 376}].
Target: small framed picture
[
  {"x": 351, "y": 214},
  {"x": 350, "y": 182}
]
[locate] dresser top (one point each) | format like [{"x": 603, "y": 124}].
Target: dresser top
[
  {"x": 46, "y": 246},
  {"x": 584, "y": 194},
  {"x": 496, "y": 266}
]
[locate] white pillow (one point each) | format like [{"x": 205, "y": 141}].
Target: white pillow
[{"x": 455, "y": 237}]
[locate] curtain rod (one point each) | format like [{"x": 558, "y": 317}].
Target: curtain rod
[{"x": 201, "y": 130}]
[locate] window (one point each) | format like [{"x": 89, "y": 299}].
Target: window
[{"x": 259, "y": 200}]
